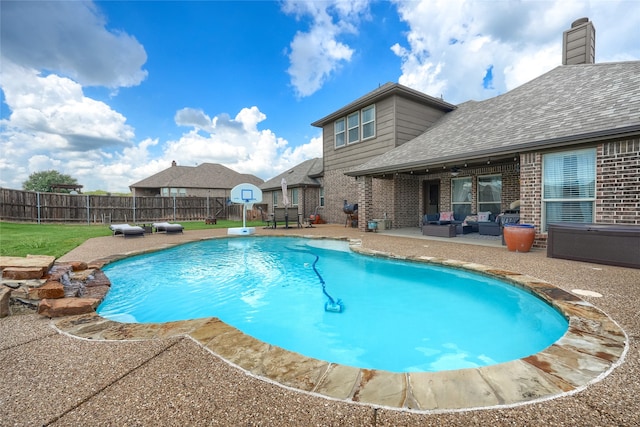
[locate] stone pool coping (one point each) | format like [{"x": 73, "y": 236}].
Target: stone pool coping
[{"x": 591, "y": 348}]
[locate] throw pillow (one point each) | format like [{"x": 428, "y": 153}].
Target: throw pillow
[
  {"x": 483, "y": 216},
  {"x": 446, "y": 216}
]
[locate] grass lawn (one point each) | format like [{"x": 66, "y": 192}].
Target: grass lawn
[{"x": 21, "y": 239}]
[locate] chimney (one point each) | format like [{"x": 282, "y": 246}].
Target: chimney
[
  {"x": 173, "y": 163},
  {"x": 579, "y": 43}
]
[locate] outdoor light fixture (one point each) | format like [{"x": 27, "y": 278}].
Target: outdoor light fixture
[{"x": 455, "y": 171}]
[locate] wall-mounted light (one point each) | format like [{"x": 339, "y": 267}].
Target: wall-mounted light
[{"x": 489, "y": 161}]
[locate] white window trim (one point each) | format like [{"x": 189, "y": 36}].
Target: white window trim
[
  {"x": 373, "y": 107},
  {"x": 466, "y": 202},
  {"x": 343, "y": 132},
  {"x": 357, "y": 127},
  {"x": 360, "y": 127},
  {"x": 478, "y": 192},
  {"x": 546, "y": 200}
]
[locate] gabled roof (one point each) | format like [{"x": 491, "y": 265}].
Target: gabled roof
[
  {"x": 384, "y": 91},
  {"x": 205, "y": 175},
  {"x": 568, "y": 105},
  {"x": 300, "y": 175}
]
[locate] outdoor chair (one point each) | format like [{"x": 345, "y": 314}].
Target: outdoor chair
[
  {"x": 167, "y": 227},
  {"x": 126, "y": 230}
]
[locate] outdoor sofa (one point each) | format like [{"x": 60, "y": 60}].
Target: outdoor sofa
[{"x": 449, "y": 218}]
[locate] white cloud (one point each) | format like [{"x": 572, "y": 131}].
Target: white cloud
[
  {"x": 239, "y": 144},
  {"x": 52, "y": 125},
  {"x": 317, "y": 54},
  {"x": 70, "y": 38},
  {"x": 55, "y": 109},
  {"x": 451, "y": 44}
]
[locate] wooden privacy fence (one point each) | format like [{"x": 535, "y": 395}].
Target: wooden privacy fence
[{"x": 30, "y": 206}]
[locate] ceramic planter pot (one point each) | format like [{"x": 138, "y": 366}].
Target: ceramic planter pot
[{"x": 519, "y": 237}]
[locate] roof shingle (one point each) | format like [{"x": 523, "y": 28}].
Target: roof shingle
[{"x": 569, "y": 103}]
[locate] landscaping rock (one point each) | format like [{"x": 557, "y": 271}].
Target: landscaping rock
[
  {"x": 67, "y": 306},
  {"x": 23, "y": 273},
  {"x": 5, "y": 294},
  {"x": 50, "y": 290}
]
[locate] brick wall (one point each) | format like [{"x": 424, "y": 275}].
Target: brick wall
[
  {"x": 618, "y": 182},
  {"x": 617, "y": 186},
  {"x": 337, "y": 188}
]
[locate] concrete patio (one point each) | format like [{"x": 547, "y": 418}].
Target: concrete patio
[{"x": 53, "y": 378}]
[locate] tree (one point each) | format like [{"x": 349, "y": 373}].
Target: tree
[{"x": 42, "y": 181}]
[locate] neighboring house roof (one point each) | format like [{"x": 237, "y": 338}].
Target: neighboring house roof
[
  {"x": 569, "y": 104},
  {"x": 300, "y": 175},
  {"x": 386, "y": 90},
  {"x": 205, "y": 175}
]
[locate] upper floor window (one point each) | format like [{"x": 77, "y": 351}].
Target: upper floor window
[
  {"x": 355, "y": 127},
  {"x": 339, "y": 132},
  {"x": 569, "y": 186},
  {"x": 353, "y": 124},
  {"x": 369, "y": 122}
]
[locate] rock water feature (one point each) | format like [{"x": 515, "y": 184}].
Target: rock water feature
[{"x": 37, "y": 284}]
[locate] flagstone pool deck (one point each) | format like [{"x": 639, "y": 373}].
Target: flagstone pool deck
[{"x": 85, "y": 370}]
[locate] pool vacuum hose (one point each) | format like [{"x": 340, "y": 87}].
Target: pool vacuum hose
[{"x": 331, "y": 305}]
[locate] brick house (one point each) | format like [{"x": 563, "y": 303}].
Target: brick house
[
  {"x": 566, "y": 145},
  {"x": 204, "y": 180},
  {"x": 304, "y": 187}
]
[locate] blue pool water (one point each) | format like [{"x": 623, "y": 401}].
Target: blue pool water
[{"x": 398, "y": 316}]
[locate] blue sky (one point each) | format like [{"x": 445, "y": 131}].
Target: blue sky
[{"x": 111, "y": 92}]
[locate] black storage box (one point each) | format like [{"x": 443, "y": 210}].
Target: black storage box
[{"x": 612, "y": 244}]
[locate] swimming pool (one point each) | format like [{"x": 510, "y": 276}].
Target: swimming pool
[{"x": 398, "y": 316}]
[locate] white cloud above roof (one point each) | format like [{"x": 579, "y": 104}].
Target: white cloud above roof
[
  {"x": 316, "y": 54},
  {"x": 451, "y": 44},
  {"x": 71, "y": 38}
]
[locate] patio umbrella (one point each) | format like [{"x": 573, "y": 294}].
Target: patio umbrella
[{"x": 285, "y": 197}]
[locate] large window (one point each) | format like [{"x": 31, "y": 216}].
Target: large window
[
  {"x": 461, "y": 196},
  {"x": 569, "y": 186},
  {"x": 490, "y": 194},
  {"x": 339, "y": 132},
  {"x": 353, "y": 127}
]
